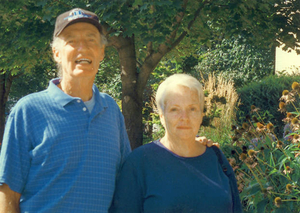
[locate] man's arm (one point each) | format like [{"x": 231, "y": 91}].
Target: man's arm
[
  {"x": 9, "y": 200},
  {"x": 206, "y": 142}
]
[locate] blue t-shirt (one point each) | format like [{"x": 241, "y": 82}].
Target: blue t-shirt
[
  {"x": 60, "y": 157},
  {"x": 153, "y": 179}
]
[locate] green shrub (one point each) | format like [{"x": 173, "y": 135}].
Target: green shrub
[
  {"x": 235, "y": 59},
  {"x": 265, "y": 95}
]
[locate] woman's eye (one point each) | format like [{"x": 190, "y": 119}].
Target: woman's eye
[
  {"x": 194, "y": 109},
  {"x": 173, "y": 109}
]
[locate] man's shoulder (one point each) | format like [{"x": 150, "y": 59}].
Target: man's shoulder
[
  {"x": 31, "y": 100},
  {"x": 107, "y": 101},
  {"x": 106, "y": 96}
]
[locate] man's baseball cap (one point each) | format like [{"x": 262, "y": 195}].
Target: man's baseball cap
[{"x": 74, "y": 16}]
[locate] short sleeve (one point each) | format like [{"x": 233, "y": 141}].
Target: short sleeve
[{"x": 15, "y": 156}]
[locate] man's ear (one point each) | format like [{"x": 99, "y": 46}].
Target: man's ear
[
  {"x": 56, "y": 55},
  {"x": 102, "y": 53}
]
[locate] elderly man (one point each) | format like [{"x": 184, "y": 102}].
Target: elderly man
[{"x": 62, "y": 147}]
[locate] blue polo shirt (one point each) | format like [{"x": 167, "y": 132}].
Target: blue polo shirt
[{"x": 61, "y": 157}]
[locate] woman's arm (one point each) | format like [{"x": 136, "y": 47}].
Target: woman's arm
[{"x": 237, "y": 206}]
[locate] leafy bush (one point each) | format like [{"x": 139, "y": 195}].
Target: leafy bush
[
  {"x": 267, "y": 167},
  {"x": 265, "y": 95},
  {"x": 237, "y": 60}
]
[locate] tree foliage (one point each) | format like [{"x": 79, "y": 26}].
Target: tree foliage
[
  {"x": 144, "y": 31},
  {"x": 24, "y": 44},
  {"x": 24, "y": 37}
]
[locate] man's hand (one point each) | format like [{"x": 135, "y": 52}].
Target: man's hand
[
  {"x": 206, "y": 142},
  {"x": 9, "y": 200}
]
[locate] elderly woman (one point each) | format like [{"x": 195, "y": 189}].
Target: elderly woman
[{"x": 176, "y": 173}]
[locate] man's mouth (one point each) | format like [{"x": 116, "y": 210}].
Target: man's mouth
[{"x": 83, "y": 61}]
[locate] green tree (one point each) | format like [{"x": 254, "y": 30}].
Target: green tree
[
  {"x": 24, "y": 40},
  {"x": 144, "y": 31}
]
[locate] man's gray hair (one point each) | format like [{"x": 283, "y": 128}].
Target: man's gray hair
[{"x": 177, "y": 80}]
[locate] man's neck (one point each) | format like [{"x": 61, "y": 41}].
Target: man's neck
[{"x": 81, "y": 88}]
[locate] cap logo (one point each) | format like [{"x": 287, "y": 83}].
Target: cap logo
[{"x": 77, "y": 14}]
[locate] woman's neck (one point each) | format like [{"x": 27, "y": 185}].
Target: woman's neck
[{"x": 186, "y": 148}]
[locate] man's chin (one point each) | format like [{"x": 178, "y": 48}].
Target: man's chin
[{"x": 84, "y": 72}]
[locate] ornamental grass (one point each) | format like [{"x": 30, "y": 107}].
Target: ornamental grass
[{"x": 221, "y": 100}]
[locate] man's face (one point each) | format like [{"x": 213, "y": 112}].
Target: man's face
[{"x": 80, "y": 51}]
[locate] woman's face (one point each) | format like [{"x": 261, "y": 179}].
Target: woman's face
[{"x": 182, "y": 115}]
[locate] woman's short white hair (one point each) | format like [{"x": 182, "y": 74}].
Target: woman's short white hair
[
  {"x": 57, "y": 43},
  {"x": 178, "y": 80}
]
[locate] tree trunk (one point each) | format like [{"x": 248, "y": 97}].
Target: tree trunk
[
  {"x": 5, "y": 85},
  {"x": 133, "y": 86},
  {"x": 132, "y": 99}
]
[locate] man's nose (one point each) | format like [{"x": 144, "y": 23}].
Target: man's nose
[{"x": 82, "y": 45}]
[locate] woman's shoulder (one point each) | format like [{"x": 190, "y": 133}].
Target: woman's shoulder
[
  {"x": 216, "y": 151},
  {"x": 222, "y": 160}
]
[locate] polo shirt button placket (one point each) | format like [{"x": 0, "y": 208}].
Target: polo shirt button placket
[{"x": 84, "y": 108}]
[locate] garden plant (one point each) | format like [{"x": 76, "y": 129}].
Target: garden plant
[{"x": 267, "y": 165}]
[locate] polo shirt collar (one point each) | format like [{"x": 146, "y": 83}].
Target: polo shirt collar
[
  {"x": 63, "y": 99},
  {"x": 100, "y": 101}
]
